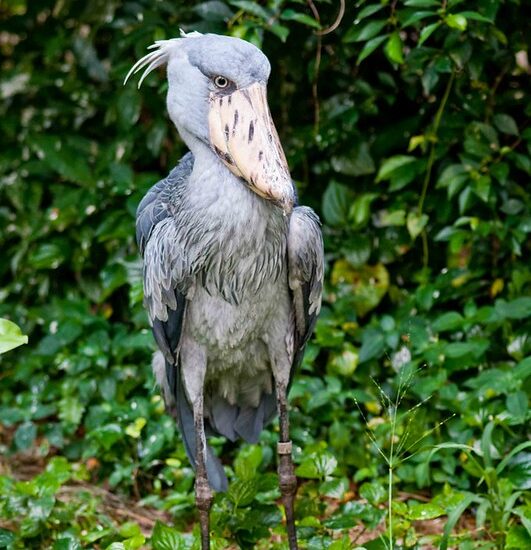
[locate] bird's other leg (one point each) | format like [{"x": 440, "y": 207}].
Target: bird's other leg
[
  {"x": 203, "y": 492},
  {"x": 194, "y": 363},
  {"x": 286, "y": 471}
]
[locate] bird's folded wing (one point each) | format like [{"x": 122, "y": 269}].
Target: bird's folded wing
[
  {"x": 166, "y": 273},
  {"x": 305, "y": 272}
]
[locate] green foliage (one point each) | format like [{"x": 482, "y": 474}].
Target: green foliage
[
  {"x": 404, "y": 126},
  {"x": 10, "y": 336},
  {"x": 504, "y": 480}
]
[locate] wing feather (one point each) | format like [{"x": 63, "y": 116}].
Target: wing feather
[
  {"x": 305, "y": 275},
  {"x": 155, "y": 234}
]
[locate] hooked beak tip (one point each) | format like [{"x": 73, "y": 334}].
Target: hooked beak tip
[{"x": 286, "y": 203}]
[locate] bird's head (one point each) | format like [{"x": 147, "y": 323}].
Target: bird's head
[{"x": 217, "y": 95}]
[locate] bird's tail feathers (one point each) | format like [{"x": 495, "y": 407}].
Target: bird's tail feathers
[{"x": 234, "y": 421}]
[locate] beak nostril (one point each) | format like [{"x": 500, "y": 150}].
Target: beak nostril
[{"x": 251, "y": 131}]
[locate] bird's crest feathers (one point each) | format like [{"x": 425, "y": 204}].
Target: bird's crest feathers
[{"x": 158, "y": 57}]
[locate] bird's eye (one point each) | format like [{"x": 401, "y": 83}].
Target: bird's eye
[{"x": 221, "y": 82}]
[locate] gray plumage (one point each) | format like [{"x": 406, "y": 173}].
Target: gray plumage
[{"x": 232, "y": 282}]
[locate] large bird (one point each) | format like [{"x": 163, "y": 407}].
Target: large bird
[{"x": 233, "y": 268}]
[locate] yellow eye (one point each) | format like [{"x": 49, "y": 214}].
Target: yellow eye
[{"x": 221, "y": 82}]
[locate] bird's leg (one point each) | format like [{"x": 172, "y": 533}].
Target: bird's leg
[
  {"x": 203, "y": 492},
  {"x": 286, "y": 471}
]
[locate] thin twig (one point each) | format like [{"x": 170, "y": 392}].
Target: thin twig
[
  {"x": 337, "y": 22},
  {"x": 429, "y": 166},
  {"x": 315, "y": 91},
  {"x": 431, "y": 158}
]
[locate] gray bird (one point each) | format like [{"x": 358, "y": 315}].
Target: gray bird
[{"x": 233, "y": 268}]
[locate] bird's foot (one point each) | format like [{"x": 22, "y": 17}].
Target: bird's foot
[
  {"x": 288, "y": 488},
  {"x": 203, "y": 500}
]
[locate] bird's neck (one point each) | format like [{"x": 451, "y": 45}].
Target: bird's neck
[{"x": 215, "y": 182}]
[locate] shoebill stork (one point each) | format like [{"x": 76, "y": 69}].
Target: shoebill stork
[{"x": 233, "y": 268}]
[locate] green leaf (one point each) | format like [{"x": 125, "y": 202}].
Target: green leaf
[
  {"x": 523, "y": 369},
  {"x": 357, "y": 162},
  {"x": 112, "y": 277},
  {"x": 243, "y": 491},
  {"x": 475, "y": 16},
  {"x": 48, "y": 256},
  {"x": 334, "y": 488},
  {"x": 428, "y": 31},
  {"x": 423, "y": 511},
  {"x": 450, "y": 320},
  {"x": 7, "y": 538},
  {"x": 482, "y": 187},
  {"x": 520, "y": 308},
  {"x": 453, "y": 517},
  {"x": 336, "y": 204},
  {"x": 248, "y": 461},
  {"x": 166, "y": 538},
  {"x": 506, "y": 124},
  {"x": 280, "y": 31},
  {"x": 519, "y": 471},
  {"x": 292, "y": 15},
  {"x": 517, "y": 405},
  {"x": 253, "y": 8},
  {"x": 374, "y": 492},
  {"x": 393, "y": 48},
  {"x": 372, "y": 345},
  {"x": 506, "y": 459},
  {"x": 391, "y": 165},
  {"x": 71, "y": 410},
  {"x": 456, "y": 21},
  {"x": 41, "y": 507},
  {"x": 129, "y": 529},
  {"x": 389, "y": 219},
  {"x": 128, "y": 107},
  {"x": 370, "y": 47},
  {"x": 517, "y": 538},
  {"x": 422, "y": 3},
  {"x": 134, "y": 429},
  {"x": 415, "y": 223},
  {"x": 362, "y": 33},
  {"x": 25, "y": 435},
  {"x": 369, "y": 10},
  {"x": 459, "y": 349},
  {"x": 319, "y": 465},
  {"x": 10, "y": 336},
  {"x": 62, "y": 158},
  {"x": 524, "y": 513},
  {"x": 360, "y": 211},
  {"x": 368, "y": 284},
  {"x": 487, "y": 447},
  {"x": 417, "y": 16}
]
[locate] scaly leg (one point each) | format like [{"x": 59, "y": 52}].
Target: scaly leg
[
  {"x": 286, "y": 471},
  {"x": 203, "y": 492}
]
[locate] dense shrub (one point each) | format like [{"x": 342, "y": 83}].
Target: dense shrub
[{"x": 405, "y": 127}]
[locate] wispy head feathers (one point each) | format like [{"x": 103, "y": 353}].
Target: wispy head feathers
[{"x": 158, "y": 57}]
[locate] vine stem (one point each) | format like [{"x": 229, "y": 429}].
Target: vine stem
[
  {"x": 315, "y": 91},
  {"x": 429, "y": 166},
  {"x": 337, "y": 22},
  {"x": 431, "y": 158}
]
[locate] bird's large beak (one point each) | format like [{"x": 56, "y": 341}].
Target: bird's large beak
[{"x": 244, "y": 137}]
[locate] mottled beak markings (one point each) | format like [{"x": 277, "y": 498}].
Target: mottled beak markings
[{"x": 244, "y": 137}]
